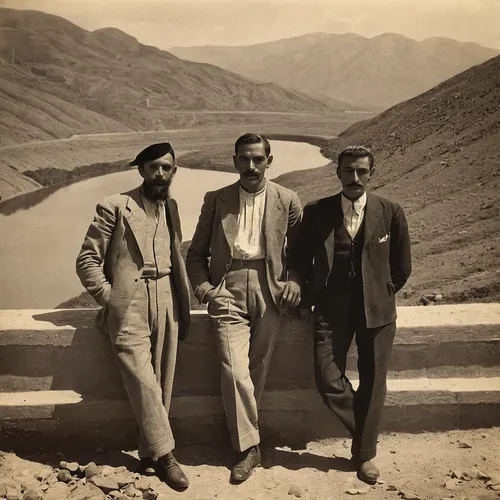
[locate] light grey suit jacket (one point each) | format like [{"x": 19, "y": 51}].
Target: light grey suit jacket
[
  {"x": 110, "y": 261},
  {"x": 211, "y": 252}
]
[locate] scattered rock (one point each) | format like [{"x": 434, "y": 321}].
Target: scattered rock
[
  {"x": 149, "y": 494},
  {"x": 143, "y": 484},
  {"x": 357, "y": 491},
  {"x": 73, "y": 467},
  {"x": 115, "y": 494},
  {"x": 43, "y": 475},
  {"x": 64, "y": 475},
  {"x": 58, "y": 491},
  {"x": 124, "y": 479},
  {"x": 92, "y": 470},
  {"x": 106, "y": 484},
  {"x": 131, "y": 491},
  {"x": 107, "y": 470},
  {"x": 408, "y": 495},
  {"x": 392, "y": 487},
  {"x": 121, "y": 469},
  {"x": 87, "y": 491},
  {"x": 451, "y": 484},
  {"x": 464, "y": 444},
  {"x": 393, "y": 452},
  {"x": 380, "y": 481},
  {"x": 424, "y": 301},
  {"x": 13, "y": 493},
  {"x": 295, "y": 491},
  {"x": 32, "y": 495}
]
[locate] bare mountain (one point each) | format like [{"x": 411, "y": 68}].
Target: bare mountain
[
  {"x": 438, "y": 155},
  {"x": 370, "y": 73},
  {"x": 57, "y": 79}
]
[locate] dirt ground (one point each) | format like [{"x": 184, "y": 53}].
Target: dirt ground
[{"x": 412, "y": 466}]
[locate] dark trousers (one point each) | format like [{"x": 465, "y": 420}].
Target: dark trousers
[{"x": 361, "y": 410}]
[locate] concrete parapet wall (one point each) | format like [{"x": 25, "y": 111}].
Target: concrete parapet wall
[{"x": 58, "y": 377}]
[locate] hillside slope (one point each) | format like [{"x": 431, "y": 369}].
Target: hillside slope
[
  {"x": 370, "y": 73},
  {"x": 438, "y": 155},
  {"x": 54, "y": 77}
]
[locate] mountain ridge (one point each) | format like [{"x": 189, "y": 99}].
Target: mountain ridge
[{"x": 348, "y": 67}]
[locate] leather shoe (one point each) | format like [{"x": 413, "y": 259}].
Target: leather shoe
[
  {"x": 367, "y": 472},
  {"x": 171, "y": 473},
  {"x": 249, "y": 459},
  {"x": 147, "y": 467}
]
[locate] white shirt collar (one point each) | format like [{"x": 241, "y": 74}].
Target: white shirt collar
[
  {"x": 359, "y": 204},
  {"x": 246, "y": 194}
]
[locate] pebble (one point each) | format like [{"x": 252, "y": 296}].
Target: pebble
[
  {"x": 143, "y": 484},
  {"x": 357, "y": 491},
  {"x": 58, "y": 491},
  {"x": 32, "y": 495},
  {"x": 107, "y": 470},
  {"x": 106, "y": 484},
  {"x": 86, "y": 492},
  {"x": 115, "y": 494},
  {"x": 392, "y": 487},
  {"x": 13, "y": 493},
  {"x": 43, "y": 475},
  {"x": 464, "y": 444},
  {"x": 131, "y": 491},
  {"x": 295, "y": 491},
  {"x": 408, "y": 495},
  {"x": 451, "y": 484},
  {"x": 124, "y": 479},
  {"x": 64, "y": 476},
  {"x": 92, "y": 470},
  {"x": 149, "y": 494}
]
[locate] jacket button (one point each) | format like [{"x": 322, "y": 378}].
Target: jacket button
[{"x": 136, "y": 280}]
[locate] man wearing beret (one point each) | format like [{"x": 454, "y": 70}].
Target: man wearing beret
[
  {"x": 131, "y": 263},
  {"x": 237, "y": 265}
]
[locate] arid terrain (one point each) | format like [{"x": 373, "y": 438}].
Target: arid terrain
[
  {"x": 438, "y": 156},
  {"x": 414, "y": 467}
]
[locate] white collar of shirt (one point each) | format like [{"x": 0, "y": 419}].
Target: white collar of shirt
[
  {"x": 246, "y": 194},
  {"x": 358, "y": 205}
]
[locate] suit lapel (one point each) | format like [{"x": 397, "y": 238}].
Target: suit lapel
[
  {"x": 373, "y": 213},
  {"x": 333, "y": 220},
  {"x": 273, "y": 212},
  {"x": 136, "y": 217},
  {"x": 229, "y": 210},
  {"x": 173, "y": 222}
]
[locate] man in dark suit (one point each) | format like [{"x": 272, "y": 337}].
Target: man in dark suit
[
  {"x": 131, "y": 263},
  {"x": 237, "y": 265},
  {"x": 352, "y": 256}
]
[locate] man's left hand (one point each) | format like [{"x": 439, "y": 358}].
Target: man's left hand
[{"x": 291, "y": 295}]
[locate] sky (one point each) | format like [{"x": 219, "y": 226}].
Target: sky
[{"x": 168, "y": 23}]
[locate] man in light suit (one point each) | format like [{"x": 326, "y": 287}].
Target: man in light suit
[
  {"x": 353, "y": 256},
  {"x": 237, "y": 265},
  {"x": 131, "y": 263}
]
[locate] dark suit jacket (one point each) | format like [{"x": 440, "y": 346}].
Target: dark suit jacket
[
  {"x": 110, "y": 262},
  {"x": 211, "y": 252},
  {"x": 386, "y": 257}
]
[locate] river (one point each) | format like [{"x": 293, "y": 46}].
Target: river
[{"x": 38, "y": 246}]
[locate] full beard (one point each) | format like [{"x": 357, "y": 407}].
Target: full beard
[{"x": 157, "y": 190}]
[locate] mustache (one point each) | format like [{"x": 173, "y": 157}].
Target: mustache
[
  {"x": 354, "y": 184},
  {"x": 250, "y": 173}
]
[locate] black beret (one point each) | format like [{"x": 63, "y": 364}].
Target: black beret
[{"x": 153, "y": 152}]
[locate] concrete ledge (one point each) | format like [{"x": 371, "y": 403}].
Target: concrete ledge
[
  {"x": 61, "y": 350},
  {"x": 61, "y": 418}
]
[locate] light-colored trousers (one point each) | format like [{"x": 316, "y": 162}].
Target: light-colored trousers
[
  {"x": 245, "y": 321},
  {"x": 146, "y": 349}
]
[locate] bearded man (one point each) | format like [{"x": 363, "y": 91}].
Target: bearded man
[{"x": 131, "y": 263}]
